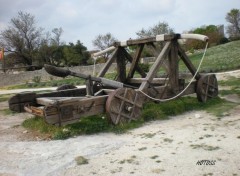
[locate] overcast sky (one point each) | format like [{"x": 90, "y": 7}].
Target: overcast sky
[{"x": 84, "y": 19}]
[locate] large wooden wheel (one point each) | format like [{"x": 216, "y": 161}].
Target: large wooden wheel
[
  {"x": 123, "y": 105},
  {"x": 207, "y": 87}
]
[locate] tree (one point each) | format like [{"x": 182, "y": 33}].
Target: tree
[
  {"x": 75, "y": 54},
  {"x": 55, "y": 40},
  {"x": 51, "y": 48},
  {"x": 22, "y": 37},
  {"x": 214, "y": 33},
  {"x": 102, "y": 42},
  {"x": 233, "y": 29},
  {"x": 159, "y": 28}
]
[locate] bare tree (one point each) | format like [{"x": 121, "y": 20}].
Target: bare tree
[
  {"x": 22, "y": 37},
  {"x": 233, "y": 29},
  {"x": 102, "y": 42},
  {"x": 159, "y": 28},
  {"x": 55, "y": 40}
]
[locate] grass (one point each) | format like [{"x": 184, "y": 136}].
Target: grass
[
  {"x": 7, "y": 112},
  {"x": 219, "y": 58},
  {"x": 5, "y": 97},
  {"x": 205, "y": 147},
  {"x": 80, "y": 160},
  {"x": 52, "y": 83},
  {"x": 151, "y": 111}
]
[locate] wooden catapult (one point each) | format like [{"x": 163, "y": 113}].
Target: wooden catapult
[{"x": 122, "y": 99}]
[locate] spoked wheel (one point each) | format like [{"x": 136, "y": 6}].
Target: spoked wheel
[
  {"x": 207, "y": 87},
  {"x": 123, "y": 105}
]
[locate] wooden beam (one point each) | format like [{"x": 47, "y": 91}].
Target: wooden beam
[
  {"x": 130, "y": 59},
  {"x": 121, "y": 66},
  {"x": 108, "y": 64},
  {"x": 135, "y": 60},
  {"x": 187, "y": 62},
  {"x": 153, "y": 70},
  {"x": 154, "y": 81},
  {"x": 173, "y": 66},
  {"x": 141, "y": 41}
]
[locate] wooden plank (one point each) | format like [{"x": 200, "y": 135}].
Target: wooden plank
[
  {"x": 166, "y": 37},
  {"x": 187, "y": 62},
  {"x": 153, "y": 70},
  {"x": 130, "y": 59},
  {"x": 64, "y": 93},
  {"x": 108, "y": 64},
  {"x": 154, "y": 81},
  {"x": 54, "y": 119},
  {"x": 173, "y": 66},
  {"x": 141, "y": 41},
  {"x": 49, "y": 101},
  {"x": 135, "y": 60},
  {"x": 121, "y": 66}
]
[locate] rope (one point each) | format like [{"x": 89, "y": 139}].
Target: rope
[
  {"x": 164, "y": 100},
  {"x": 94, "y": 65}
]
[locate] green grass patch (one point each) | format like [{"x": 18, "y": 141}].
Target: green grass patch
[
  {"x": 7, "y": 112},
  {"x": 219, "y": 58},
  {"x": 38, "y": 124},
  {"x": 205, "y": 147},
  {"x": 80, "y": 160},
  {"x": 231, "y": 81},
  {"x": 5, "y": 97}
]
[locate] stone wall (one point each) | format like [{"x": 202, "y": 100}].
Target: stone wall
[{"x": 13, "y": 77}]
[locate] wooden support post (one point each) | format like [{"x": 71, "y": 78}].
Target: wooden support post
[
  {"x": 121, "y": 66},
  {"x": 135, "y": 60},
  {"x": 89, "y": 86},
  {"x": 187, "y": 62},
  {"x": 173, "y": 67},
  {"x": 130, "y": 59},
  {"x": 108, "y": 64},
  {"x": 159, "y": 61}
]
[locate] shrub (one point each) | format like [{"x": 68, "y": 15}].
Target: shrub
[{"x": 37, "y": 79}]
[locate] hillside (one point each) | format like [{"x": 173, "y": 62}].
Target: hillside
[{"x": 219, "y": 58}]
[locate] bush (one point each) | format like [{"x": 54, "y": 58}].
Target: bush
[
  {"x": 37, "y": 79},
  {"x": 223, "y": 40}
]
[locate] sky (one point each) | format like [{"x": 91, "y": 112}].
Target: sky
[{"x": 85, "y": 19}]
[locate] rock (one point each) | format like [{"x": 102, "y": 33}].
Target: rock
[
  {"x": 25, "y": 132},
  {"x": 197, "y": 116}
]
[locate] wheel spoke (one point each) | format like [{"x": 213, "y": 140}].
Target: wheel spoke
[{"x": 123, "y": 105}]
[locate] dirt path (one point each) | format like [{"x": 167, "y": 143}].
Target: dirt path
[{"x": 171, "y": 147}]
